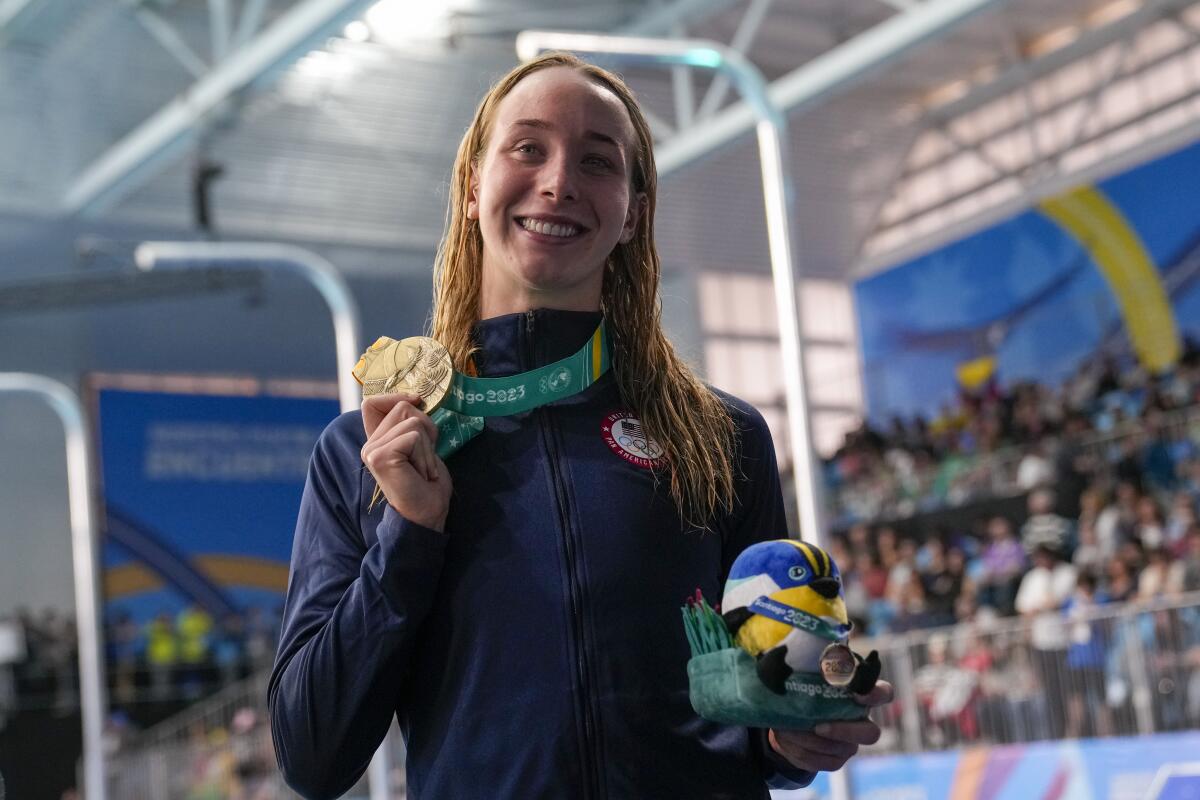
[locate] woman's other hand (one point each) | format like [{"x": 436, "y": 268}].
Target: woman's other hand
[
  {"x": 830, "y": 745},
  {"x": 401, "y": 453}
]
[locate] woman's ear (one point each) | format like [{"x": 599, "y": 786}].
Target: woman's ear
[
  {"x": 637, "y": 207},
  {"x": 473, "y": 195}
]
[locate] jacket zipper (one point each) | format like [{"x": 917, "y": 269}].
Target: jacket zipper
[{"x": 590, "y": 755}]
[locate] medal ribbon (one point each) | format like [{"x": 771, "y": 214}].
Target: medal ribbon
[
  {"x": 790, "y": 615},
  {"x": 460, "y": 416}
]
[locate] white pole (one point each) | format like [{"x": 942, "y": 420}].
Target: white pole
[
  {"x": 777, "y": 198},
  {"x": 332, "y": 286},
  {"x": 84, "y": 556},
  {"x": 285, "y": 258}
]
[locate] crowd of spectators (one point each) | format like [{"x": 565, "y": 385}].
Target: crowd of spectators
[
  {"x": 166, "y": 659},
  {"x": 188, "y": 655},
  {"x": 895, "y": 584},
  {"x": 1110, "y": 470},
  {"x": 39, "y": 662},
  {"x": 1038, "y": 651},
  {"x": 998, "y": 438}
]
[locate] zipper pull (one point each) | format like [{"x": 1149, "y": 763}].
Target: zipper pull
[{"x": 528, "y": 349}]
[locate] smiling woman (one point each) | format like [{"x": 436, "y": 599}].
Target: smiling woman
[
  {"x": 569, "y": 136},
  {"x": 516, "y": 605}
]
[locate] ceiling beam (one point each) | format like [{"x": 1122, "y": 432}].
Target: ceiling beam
[
  {"x": 743, "y": 37},
  {"x": 1144, "y": 151},
  {"x": 835, "y": 70},
  {"x": 664, "y": 18},
  {"x": 134, "y": 159},
  {"x": 74, "y": 290},
  {"x": 1023, "y": 72},
  {"x": 10, "y": 10}
]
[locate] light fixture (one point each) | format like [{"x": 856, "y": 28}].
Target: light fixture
[
  {"x": 398, "y": 22},
  {"x": 357, "y": 31}
]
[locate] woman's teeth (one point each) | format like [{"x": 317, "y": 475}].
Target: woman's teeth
[{"x": 548, "y": 229}]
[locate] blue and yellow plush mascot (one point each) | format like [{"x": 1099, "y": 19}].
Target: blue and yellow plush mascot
[{"x": 783, "y": 605}]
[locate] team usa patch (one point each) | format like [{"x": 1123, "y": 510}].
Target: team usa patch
[{"x": 624, "y": 434}]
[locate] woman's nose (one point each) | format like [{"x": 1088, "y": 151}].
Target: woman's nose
[{"x": 558, "y": 180}]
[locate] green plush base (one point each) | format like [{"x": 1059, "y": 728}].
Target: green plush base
[{"x": 726, "y": 688}]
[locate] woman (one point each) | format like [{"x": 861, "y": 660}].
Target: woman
[{"x": 517, "y": 605}]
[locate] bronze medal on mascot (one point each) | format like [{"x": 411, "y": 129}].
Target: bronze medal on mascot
[
  {"x": 838, "y": 664},
  {"x": 418, "y": 364}
]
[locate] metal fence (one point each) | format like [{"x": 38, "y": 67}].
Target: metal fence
[
  {"x": 219, "y": 748},
  {"x": 1109, "y": 670},
  {"x": 1174, "y": 426}
]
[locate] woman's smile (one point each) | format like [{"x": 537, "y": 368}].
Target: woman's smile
[{"x": 550, "y": 229}]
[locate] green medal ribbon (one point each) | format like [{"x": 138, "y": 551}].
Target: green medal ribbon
[{"x": 460, "y": 416}]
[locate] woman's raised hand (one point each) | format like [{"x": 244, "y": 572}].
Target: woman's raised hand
[{"x": 401, "y": 453}]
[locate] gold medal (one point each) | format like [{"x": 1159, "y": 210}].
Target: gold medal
[{"x": 418, "y": 364}]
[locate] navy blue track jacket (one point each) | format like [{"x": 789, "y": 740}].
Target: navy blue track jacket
[{"x": 535, "y": 648}]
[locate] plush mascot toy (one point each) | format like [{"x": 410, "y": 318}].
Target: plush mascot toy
[{"x": 783, "y": 605}]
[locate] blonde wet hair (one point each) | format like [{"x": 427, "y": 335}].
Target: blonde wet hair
[{"x": 676, "y": 409}]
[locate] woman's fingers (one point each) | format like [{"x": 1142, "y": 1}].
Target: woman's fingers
[
  {"x": 408, "y": 440},
  {"x": 428, "y": 458},
  {"x": 813, "y": 743},
  {"x": 880, "y": 695},
  {"x": 854, "y": 732},
  {"x": 831, "y": 744},
  {"x": 377, "y": 408},
  {"x": 796, "y": 747},
  {"x": 422, "y": 453},
  {"x": 401, "y": 453},
  {"x": 395, "y": 409},
  {"x": 391, "y": 450}
]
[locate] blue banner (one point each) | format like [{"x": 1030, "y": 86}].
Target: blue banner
[{"x": 200, "y": 497}]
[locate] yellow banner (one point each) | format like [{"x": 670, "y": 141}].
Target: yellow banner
[
  {"x": 975, "y": 373},
  {"x": 1100, "y": 227}
]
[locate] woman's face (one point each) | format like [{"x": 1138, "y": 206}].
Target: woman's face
[{"x": 552, "y": 193}]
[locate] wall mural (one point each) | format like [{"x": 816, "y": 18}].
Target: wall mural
[
  {"x": 1109, "y": 268},
  {"x": 200, "y": 497}
]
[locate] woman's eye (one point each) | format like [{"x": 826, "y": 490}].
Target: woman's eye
[
  {"x": 598, "y": 161},
  {"x": 527, "y": 147}
]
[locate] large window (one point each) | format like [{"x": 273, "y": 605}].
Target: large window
[{"x": 741, "y": 352}]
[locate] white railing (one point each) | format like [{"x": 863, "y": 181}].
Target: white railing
[
  {"x": 1116, "y": 670},
  {"x": 219, "y": 747},
  {"x": 1125, "y": 669},
  {"x": 1177, "y": 425}
]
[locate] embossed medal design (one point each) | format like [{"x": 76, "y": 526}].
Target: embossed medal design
[
  {"x": 838, "y": 664},
  {"x": 417, "y": 364}
]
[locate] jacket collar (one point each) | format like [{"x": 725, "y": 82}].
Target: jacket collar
[{"x": 515, "y": 343}]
